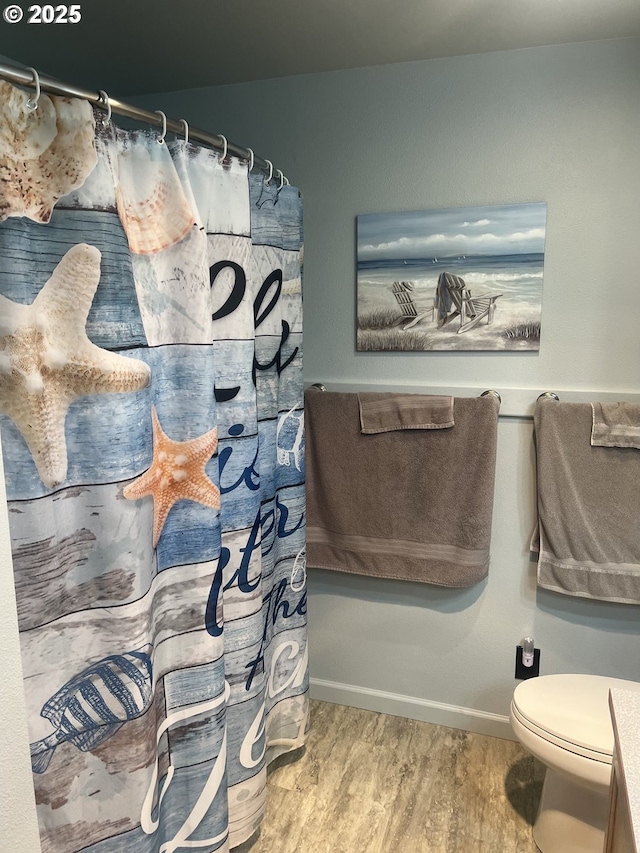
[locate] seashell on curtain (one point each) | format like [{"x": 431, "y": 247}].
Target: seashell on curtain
[{"x": 44, "y": 154}]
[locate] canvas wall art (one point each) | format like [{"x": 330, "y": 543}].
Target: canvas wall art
[{"x": 468, "y": 278}]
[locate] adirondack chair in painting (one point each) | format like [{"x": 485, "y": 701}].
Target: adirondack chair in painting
[
  {"x": 452, "y": 292},
  {"x": 410, "y": 314}
]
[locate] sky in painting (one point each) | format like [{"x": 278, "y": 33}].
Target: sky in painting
[{"x": 496, "y": 230}]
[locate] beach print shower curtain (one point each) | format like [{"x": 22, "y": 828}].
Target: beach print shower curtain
[{"x": 152, "y": 432}]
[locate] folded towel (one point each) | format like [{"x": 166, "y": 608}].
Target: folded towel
[
  {"x": 588, "y": 508},
  {"x": 615, "y": 425},
  {"x": 412, "y": 504},
  {"x": 386, "y": 412}
]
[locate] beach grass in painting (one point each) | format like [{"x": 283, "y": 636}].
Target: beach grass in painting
[{"x": 495, "y": 251}]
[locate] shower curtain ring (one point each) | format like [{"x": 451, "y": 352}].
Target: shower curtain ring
[
  {"x": 251, "y": 159},
  {"x": 32, "y": 103},
  {"x": 186, "y": 129},
  {"x": 225, "y": 146},
  {"x": 281, "y": 184},
  {"x": 107, "y": 102},
  {"x": 164, "y": 126},
  {"x": 270, "y": 171}
]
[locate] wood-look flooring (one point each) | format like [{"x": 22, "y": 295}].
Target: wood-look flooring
[{"x": 372, "y": 783}]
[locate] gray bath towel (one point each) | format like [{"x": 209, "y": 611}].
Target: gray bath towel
[
  {"x": 588, "y": 508},
  {"x": 388, "y": 412},
  {"x": 615, "y": 425},
  {"x": 412, "y": 504}
]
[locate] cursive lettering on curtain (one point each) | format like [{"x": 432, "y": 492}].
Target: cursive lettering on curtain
[
  {"x": 182, "y": 838},
  {"x": 234, "y": 300}
]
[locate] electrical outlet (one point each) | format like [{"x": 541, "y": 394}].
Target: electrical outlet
[{"x": 523, "y": 671}]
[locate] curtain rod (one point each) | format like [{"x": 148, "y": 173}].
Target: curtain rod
[{"x": 24, "y": 77}]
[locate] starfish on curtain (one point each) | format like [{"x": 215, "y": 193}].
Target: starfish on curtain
[
  {"x": 176, "y": 473},
  {"x": 47, "y": 360}
]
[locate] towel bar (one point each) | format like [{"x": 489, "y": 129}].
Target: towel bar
[
  {"x": 490, "y": 393},
  {"x": 516, "y": 402}
]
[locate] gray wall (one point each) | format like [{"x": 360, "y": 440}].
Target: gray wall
[{"x": 558, "y": 124}]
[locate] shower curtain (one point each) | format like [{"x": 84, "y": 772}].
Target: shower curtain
[{"x": 152, "y": 432}]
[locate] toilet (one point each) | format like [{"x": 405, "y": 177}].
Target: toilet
[{"x": 565, "y": 722}]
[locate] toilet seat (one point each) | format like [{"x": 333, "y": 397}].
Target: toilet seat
[
  {"x": 563, "y": 743},
  {"x": 570, "y": 711}
]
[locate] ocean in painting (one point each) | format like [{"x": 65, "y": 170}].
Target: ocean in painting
[{"x": 517, "y": 277}]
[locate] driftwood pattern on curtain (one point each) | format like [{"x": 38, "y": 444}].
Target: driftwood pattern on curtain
[{"x": 152, "y": 431}]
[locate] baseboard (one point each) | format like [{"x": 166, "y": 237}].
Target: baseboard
[{"x": 425, "y": 710}]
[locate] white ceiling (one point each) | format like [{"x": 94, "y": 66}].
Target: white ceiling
[{"x": 144, "y": 46}]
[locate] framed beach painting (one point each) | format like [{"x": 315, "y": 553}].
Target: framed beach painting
[{"x": 468, "y": 278}]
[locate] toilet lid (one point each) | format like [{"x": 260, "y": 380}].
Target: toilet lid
[{"x": 572, "y": 708}]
